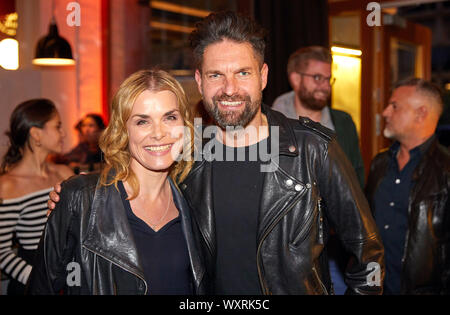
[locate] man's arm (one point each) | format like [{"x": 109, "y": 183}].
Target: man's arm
[
  {"x": 348, "y": 212},
  {"x": 55, "y": 250}
]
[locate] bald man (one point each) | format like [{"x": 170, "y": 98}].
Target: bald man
[{"x": 408, "y": 188}]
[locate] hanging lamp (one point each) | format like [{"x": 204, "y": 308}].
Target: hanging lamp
[{"x": 53, "y": 50}]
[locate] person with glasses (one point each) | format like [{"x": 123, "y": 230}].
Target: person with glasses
[{"x": 309, "y": 74}]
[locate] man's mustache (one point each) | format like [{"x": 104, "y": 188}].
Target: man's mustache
[{"x": 232, "y": 98}]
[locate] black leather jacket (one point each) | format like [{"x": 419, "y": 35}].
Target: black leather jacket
[
  {"x": 426, "y": 257},
  {"x": 89, "y": 226},
  {"x": 313, "y": 186}
]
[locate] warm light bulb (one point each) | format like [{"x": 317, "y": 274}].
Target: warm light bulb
[
  {"x": 346, "y": 51},
  {"x": 9, "y": 54},
  {"x": 53, "y": 62}
]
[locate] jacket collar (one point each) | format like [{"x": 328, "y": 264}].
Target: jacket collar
[
  {"x": 286, "y": 137},
  {"x": 109, "y": 235},
  {"x": 108, "y": 232}
]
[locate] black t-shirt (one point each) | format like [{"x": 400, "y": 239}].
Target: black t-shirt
[
  {"x": 237, "y": 187},
  {"x": 163, "y": 255}
]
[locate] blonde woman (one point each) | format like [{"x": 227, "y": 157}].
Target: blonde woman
[
  {"x": 26, "y": 178},
  {"x": 128, "y": 230}
]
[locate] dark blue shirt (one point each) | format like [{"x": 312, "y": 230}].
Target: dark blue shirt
[
  {"x": 163, "y": 255},
  {"x": 391, "y": 201}
]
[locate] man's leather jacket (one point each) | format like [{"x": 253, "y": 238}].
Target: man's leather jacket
[
  {"x": 313, "y": 185},
  {"x": 87, "y": 246},
  {"x": 426, "y": 257}
]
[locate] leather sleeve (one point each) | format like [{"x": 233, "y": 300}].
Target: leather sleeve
[
  {"x": 446, "y": 246},
  {"x": 348, "y": 212},
  {"x": 55, "y": 250}
]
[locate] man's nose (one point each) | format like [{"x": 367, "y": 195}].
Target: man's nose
[
  {"x": 325, "y": 83},
  {"x": 231, "y": 86},
  {"x": 386, "y": 111}
]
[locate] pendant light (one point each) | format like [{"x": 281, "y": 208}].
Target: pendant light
[{"x": 53, "y": 50}]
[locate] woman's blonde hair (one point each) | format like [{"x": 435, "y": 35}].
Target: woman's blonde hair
[{"x": 114, "y": 140}]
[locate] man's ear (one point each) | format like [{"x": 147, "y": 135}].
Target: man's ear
[
  {"x": 422, "y": 113},
  {"x": 295, "y": 80},
  {"x": 264, "y": 74},
  {"x": 198, "y": 79}
]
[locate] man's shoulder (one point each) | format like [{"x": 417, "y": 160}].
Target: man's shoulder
[
  {"x": 284, "y": 103},
  {"x": 304, "y": 123},
  {"x": 339, "y": 116},
  {"x": 287, "y": 97},
  {"x": 442, "y": 156},
  {"x": 303, "y": 126},
  {"x": 81, "y": 182}
]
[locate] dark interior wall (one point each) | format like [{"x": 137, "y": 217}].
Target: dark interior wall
[{"x": 291, "y": 24}]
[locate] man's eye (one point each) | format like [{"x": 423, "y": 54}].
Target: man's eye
[
  {"x": 244, "y": 73},
  {"x": 317, "y": 77},
  {"x": 214, "y": 76}
]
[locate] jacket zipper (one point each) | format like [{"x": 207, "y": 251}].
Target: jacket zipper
[
  {"x": 304, "y": 232},
  {"x": 133, "y": 273},
  {"x": 320, "y": 232},
  {"x": 258, "y": 260},
  {"x": 407, "y": 235}
]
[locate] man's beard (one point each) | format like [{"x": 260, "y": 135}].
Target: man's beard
[
  {"x": 389, "y": 134},
  {"x": 309, "y": 101},
  {"x": 232, "y": 118}
]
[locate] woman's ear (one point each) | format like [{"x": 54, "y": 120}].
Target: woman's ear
[{"x": 35, "y": 136}]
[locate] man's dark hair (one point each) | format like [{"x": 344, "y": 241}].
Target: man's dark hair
[
  {"x": 425, "y": 87},
  {"x": 233, "y": 26},
  {"x": 298, "y": 61}
]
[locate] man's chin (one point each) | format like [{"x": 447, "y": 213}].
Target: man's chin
[
  {"x": 317, "y": 106},
  {"x": 388, "y": 134}
]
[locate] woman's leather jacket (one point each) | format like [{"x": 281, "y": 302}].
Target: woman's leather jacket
[{"x": 87, "y": 246}]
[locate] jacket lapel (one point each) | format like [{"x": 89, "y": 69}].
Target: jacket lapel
[
  {"x": 108, "y": 233},
  {"x": 197, "y": 188},
  {"x": 280, "y": 190},
  {"x": 186, "y": 223}
]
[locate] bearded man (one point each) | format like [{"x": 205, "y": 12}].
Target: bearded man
[{"x": 309, "y": 74}]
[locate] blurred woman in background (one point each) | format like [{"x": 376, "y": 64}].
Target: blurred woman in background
[
  {"x": 26, "y": 178},
  {"x": 86, "y": 156}
]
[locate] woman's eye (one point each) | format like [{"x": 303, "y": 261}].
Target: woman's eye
[
  {"x": 141, "y": 122},
  {"x": 172, "y": 117}
]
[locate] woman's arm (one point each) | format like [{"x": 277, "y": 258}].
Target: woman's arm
[{"x": 11, "y": 264}]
